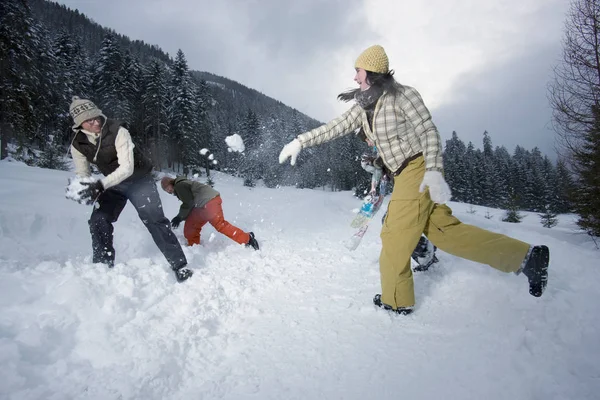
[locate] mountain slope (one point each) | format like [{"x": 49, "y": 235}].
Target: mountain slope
[{"x": 234, "y": 98}]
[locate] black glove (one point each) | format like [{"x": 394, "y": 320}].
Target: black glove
[
  {"x": 175, "y": 222},
  {"x": 91, "y": 193}
]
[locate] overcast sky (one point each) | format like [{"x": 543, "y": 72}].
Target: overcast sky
[{"x": 479, "y": 65}]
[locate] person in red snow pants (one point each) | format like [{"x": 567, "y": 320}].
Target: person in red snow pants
[
  {"x": 201, "y": 204},
  {"x": 212, "y": 213}
]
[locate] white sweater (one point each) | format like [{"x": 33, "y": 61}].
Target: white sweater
[{"x": 124, "y": 146}]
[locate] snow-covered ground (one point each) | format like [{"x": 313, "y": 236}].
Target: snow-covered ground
[{"x": 294, "y": 320}]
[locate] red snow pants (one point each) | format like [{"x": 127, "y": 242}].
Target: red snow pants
[{"x": 212, "y": 212}]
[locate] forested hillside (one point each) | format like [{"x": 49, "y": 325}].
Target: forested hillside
[{"x": 51, "y": 53}]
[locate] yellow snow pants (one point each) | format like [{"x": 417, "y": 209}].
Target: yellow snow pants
[{"x": 411, "y": 213}]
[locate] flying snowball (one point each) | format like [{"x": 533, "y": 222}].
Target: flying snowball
[{"x": 235, "y": 143}]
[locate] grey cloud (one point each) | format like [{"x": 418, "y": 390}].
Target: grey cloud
[
  {"x": 273, "y": 45},
  {"x": 297, "y": 29},
  {"x": 268, "y": 45},
  {"x": 230, "y": 30},
  {"x": 508, "y": 100}
]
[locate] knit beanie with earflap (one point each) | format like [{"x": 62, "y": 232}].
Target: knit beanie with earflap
[
  {"x": 81, "y": 110},
  {"x": 373, "y": 59}
]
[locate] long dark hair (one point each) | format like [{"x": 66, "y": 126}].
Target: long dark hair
[{"x": 386, "y": 81}]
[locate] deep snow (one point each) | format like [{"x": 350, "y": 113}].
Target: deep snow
[{"x": 292, "y": 321}]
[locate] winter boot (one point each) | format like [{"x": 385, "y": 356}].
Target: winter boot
[
  {"x": 183, "y": 273},
  {"x": 421, "y": 251},
  {"x": 424, "y": 254},
  {"x": 399, "y": 310},
  {"x": 536, "y": 270},
  {"x": 252, "y": 241},
  {"x": 424, "y": 265}
]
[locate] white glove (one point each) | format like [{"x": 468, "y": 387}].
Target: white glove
[
  {"x": 292, "y": 149},
  {"x": 439, "y": 191}
]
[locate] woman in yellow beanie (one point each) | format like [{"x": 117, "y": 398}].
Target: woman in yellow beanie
[{"x": 395, "y": 119}]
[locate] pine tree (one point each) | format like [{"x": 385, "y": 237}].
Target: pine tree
[
  {"x": 518, "y": 179},
  {"x": 574, "y": 93},
  {"x": 587, "y": 194},
  {"x": 154, "y": 99},
  {"x": 271, "y": 170},
  {"x": 503, "y": 162},
  {"x": 455, "y": 168},
  {"x": 20, "y": 48},
  {"x": 203, "y": 128},
  {"x": 185, "y": 137},
  {"x": 45, "y": 95},
  {"x": 343, "y": 172},
  {"x": 250, "y": 130},
  {"x": 512, "y": 211},
  {"x": 489, "y": 187},
  {"x": 563, "y": 188},
  {"x": 132, "y": 81},
  {"x": 72, "y": 67},
  {"x": 73, "y": 62},
  {"x": 550, "y": 192},
  {"x": 53, "y": 156},
  {"x": 576, "y": 115},
  {"x": 108, "y": 86},
  {"x": 204, "y": 124},
  {"x": 251, "y": 166},
  {"x": 537, "y": 182},
  {"x": 474, "y": 175},
  {"x": 548, "y": 218},
  {"x": 296, "y": 126}
]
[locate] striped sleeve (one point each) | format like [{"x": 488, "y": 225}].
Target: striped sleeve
[
  {"x": 419, "y": 117},
  {"x": 344, "y": 124}
]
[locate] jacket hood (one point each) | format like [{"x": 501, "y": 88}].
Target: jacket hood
[{"x": 179, "y": 179}]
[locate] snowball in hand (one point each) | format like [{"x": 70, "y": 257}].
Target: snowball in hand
[{"x": 75, "y": 186}]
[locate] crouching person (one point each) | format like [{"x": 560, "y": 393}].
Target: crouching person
[{"x": 201, "y": 204}]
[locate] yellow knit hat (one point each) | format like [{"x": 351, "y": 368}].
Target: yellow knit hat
[{"x": 373, "y": 59}]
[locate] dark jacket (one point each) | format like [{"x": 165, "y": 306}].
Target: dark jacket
[
  {"x": 192, "y": 194},
  {"x": 105, "y": 157}
]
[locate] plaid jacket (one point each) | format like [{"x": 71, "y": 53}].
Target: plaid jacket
[{"x": 402, "y": 128}]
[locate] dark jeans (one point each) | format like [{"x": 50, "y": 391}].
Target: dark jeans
[{"x": 143, "y": 195}]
